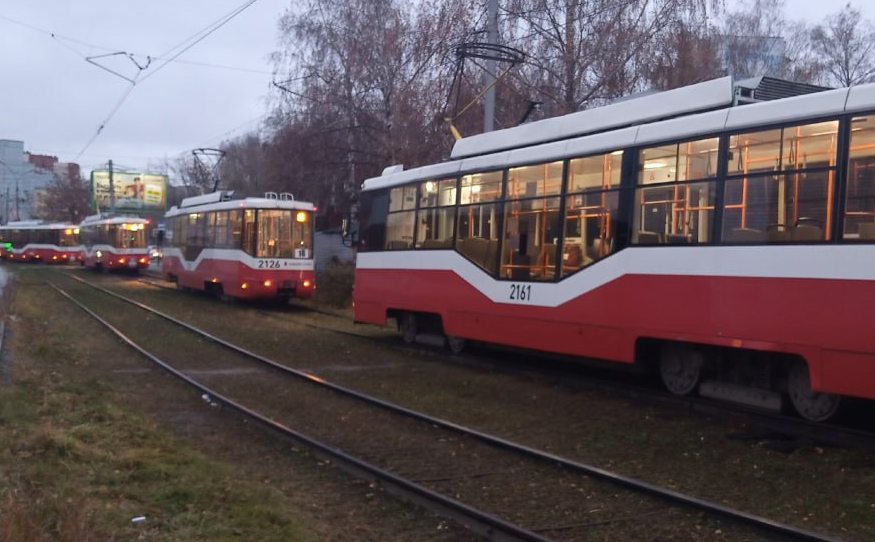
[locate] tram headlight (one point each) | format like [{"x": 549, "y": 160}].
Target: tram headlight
[{"x": 268, "y": 283}]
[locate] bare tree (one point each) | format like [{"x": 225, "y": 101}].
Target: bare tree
[
  {"x": 360, "y": 80},
  {"x": 584, "y": 53},
  {"x": 845, "y": 44},
  {"x": 67, "y": 199}
]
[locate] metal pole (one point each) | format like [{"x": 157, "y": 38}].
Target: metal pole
[
  {"x": 111, "y": 191},
  {"x": 491, "y": 67}
]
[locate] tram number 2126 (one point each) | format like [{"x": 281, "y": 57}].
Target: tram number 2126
[{"x": 520, "y": 292}]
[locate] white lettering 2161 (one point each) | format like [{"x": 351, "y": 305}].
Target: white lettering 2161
[{"x": 521, "y": 292}]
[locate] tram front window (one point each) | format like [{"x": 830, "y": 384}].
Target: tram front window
[{"x": 284, "y": 234}]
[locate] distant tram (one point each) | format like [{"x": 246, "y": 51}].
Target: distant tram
[
  {"x": 114, "y": 243},
  {"x": 35, "y": 241},
  {"x": 730, "y": 247},
  {"x": 249, "y": 248}
]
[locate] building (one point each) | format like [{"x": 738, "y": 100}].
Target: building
[{"x": 24, "y": 178}]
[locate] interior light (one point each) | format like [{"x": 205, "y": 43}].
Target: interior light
[
  {"x": 429, "y": 186},
  {"x": 654, "y": 165},
  {"x": 301, "y": 216}
]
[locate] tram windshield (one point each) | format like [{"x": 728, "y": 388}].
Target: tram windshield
[{"x": 284, "y": 234}]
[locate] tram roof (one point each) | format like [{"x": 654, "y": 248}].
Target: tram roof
[
  {"x": 113, "y": 219},
  {"x": 190, "y": 205},
  {"x": 549, "y": 139},
  {"x": 36, "y": 225}
]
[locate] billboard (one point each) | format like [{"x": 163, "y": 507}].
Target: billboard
[{"x": 133, "y": 191}]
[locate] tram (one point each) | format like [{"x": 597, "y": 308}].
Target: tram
[
  {"x": 36, "y": 241},
  {"x": 114, "y": 243},
  {"x": 728, "y": 246},
  {"x": 246, "y": 248}
]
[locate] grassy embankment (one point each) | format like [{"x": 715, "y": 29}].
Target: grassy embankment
[{"x": 76, "y": 464}]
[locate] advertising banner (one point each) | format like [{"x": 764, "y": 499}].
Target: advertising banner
[{"x": 133, "y": 191}]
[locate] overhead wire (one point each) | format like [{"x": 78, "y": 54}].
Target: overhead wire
[{"x": 194, "y": 39}]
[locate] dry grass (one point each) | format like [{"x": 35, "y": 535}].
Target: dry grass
[{"x": 78, "y": 465}]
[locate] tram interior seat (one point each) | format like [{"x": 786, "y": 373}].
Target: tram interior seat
[
  {"x": 573, "y": 258},
  {"x": 677, "y": 239},
  {"x": 436, "y": 243},
  {"x": 475, "y": 248},
  {"x": 807, "y": 232},
  {"x": 648, "y": 237},
  {"x": 866, "y": 230},
  {"x": 744, "y": 235},
  {"x": 777, "y": 233},
  {"x": 397, "y": 244},
  {"x": 545, "y": 265}
]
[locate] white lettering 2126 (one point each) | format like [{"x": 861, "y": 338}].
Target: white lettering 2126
[{"x": 520, "y": 292}]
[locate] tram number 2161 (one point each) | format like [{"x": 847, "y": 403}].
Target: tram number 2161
[{"x": 520, "y": 292}]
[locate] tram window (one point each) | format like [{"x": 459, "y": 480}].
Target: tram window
[
  {"x": 223, "y": 237},
  {"x": 764, "y": 204},
  {"x": 590, "y": 210},
  {"x": 531, "y": 228},
  {"x": 372, "y": 220},
  {"x": 670, "y": 206},
  {"x": 531, "y": 231},
  {"x": 534, "y": 181},
  {"x": 757, "y": 151},
  {"x": 589, "y": 228},
  {"x": 274, "y": 234},
  {"x": 401, "y": 218},
  {"x": 250, "y": 232},
  {"x": 235, "y": 226},
  {"x": 477, "y": 234},
  {"x": 477, "y": 225},
  {"x": 481, "y": 187},
  {"x": 776, "y": 208},
  {"x": 860, "y": 192},
  {"x": 436, "y": 214},
  {"x": 602, "y": 171},
  {"x": 792, "y": 147}
]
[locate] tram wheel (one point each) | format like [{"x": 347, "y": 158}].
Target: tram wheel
[
  {"x": 455, "y": 344},
  {"x": 680, "y": 368},
  {"x": 408, "y": 327},
  {"x": 811, "y": 405}
]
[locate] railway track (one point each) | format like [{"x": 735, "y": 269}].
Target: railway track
[
  {"x": 499, "y": 489},
  {"x": 782, "y": 431}
]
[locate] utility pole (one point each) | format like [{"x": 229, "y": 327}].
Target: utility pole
[
  {"x": 111, "y": 191},
  {"x": 491, "y": 66}
]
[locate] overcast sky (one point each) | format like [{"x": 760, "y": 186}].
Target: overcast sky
[{"x": 54, "y": 100}]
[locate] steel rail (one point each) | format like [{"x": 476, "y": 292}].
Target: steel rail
[
  {"x": 478, "y": 521},
  {"x": 740, "y": 516}
]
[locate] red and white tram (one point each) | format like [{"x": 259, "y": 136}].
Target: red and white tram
[
  {"x": 114, "y": 242},
  {"x": 731, "y": 246},
  {"x": 250, "y": 248},
  {"x": 35, "y": 241}
]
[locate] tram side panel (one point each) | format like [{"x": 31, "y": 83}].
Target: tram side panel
[
  {"x": 604, "y": 311},
  {"x": 239, "y": 275}
]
